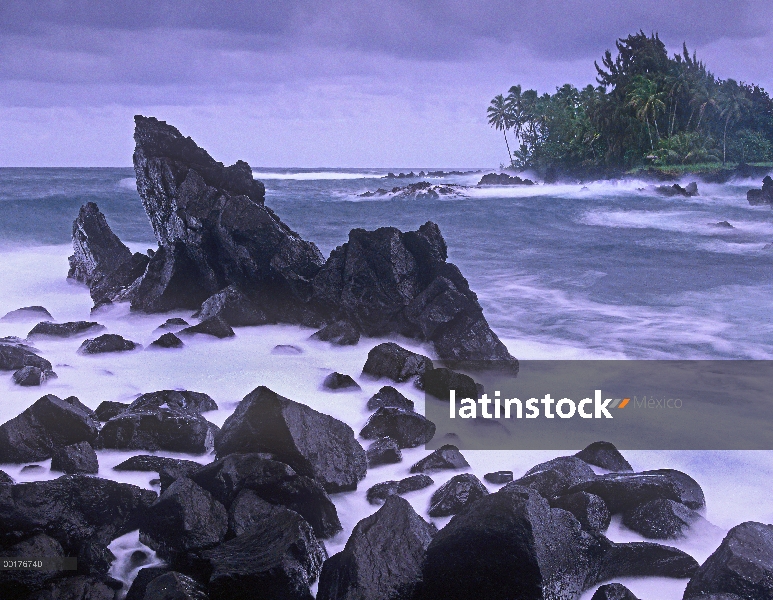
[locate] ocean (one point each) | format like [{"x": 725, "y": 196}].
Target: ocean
[{"x": 603, "y": 270}]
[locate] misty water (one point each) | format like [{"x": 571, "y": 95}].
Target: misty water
[{"x": 605, "y": 270}]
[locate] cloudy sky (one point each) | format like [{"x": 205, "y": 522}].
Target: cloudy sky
[{"x": 327, "y": 83}]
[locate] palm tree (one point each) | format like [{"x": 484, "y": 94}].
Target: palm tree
[
  {"x": 514, "y": 103},
  {"x": 646, "y": 100},
  {"x": 500, "y": 118},
  {"x": 732, "y": 104}
]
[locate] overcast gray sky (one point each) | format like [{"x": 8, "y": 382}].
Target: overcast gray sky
[{"x": 323, "y": 83}]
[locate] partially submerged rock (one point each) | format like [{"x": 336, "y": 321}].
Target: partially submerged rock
[
  {"x": 396, "y": 363},
  {"x": 661, "y": 519},
  {"x": 384, "y": 451},
  {"x": 32, "y": 376},
  {"x": 503, "y": 179},
  {"x": 440, "y": 381},
  {"x": 72, "y": 328},
  {"x": 75, "y": 458},
  {"x": 381, "y": 491},
  {"x": 762, "y": 196},
  {"x": 340, "y": 381},
  {"x": 108, "y": 342},
  {"x": 215, "y": 326},
  {"x": 445, "y": 457},
  {"x": 499, "y": 477},
  {"x": 691, "y": 189},
  {"x": 109, "y": 409},
  {"x": 167, "y": 340},
  {"x": 197, "y": 402},
  {"x": 14, "y": 356},
  {"x": 555, "y": 477},
  {"x": 457, "y": 493},
  {"x": 234, "y": 307},
  {"x": 27, "y": 313},
  {"x": 338, "y": 333},
  {"x": 406, "y": 427},
  {"x": 389, "y": 396}
]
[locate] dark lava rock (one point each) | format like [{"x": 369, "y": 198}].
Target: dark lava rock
[
  {"x": 5, "y": 478},
  {"x": 185, "y": 518},
  {"x": 215, "y": 326},
  {"x": 623, "y": 491},
  {"x": 168, "y": 340},
  {"x": 763, "y": 196},
  {"x": 18, "y": 583},
  {"x": 588, "y": 509},
  {"x": 503, "y": 179},
  {"x": 248, "y": 509},
  {"x": 382, "y": 558},
  {"x": 197, "y": 402},
  {"x": 440, "y": 381},
  {"x": 339, "y": 333},
  {"x": 77, "y": 587},
  {"x": 75, "y": 401},
  {"x": 742, "y": 565},
  {"x": 32, "y": 376},
  {"x": 273, "y": 481},
  {"x": 677, "y": 190},
  {"x": 48, "y": 424},
  {"x": 174, "y": 586},
  {"x": 108, "y": 342},
  {"x": 604, "y": 455},
  {"x": 73, "y": 509},
  {"x": 213, "y": 230},
  {"x": 100, "y": 259},
  {"x": 384, "y": 451},
  {"x": 14, "y": 356},
  {"x": 141, "y": 581},
  {"x": 457, "y": 493},
  {"x": 27, "y": 313},
  {"x": 286, "y": 349},
  {"x": 278, "y": 557},
  {"x": 76, "y": 458},
  {"x": 660, "y": 519},
  {"x": 406, "y": 427},
  {"x": 339, "y": 381},
  {"x": 554, "y": 477},
  {"x": 381, "y": 491},
  {"x": 151, "y": 428},
  {"x": 645, "y": 559},
  {"x": 396, "y": 363},
  {"x": 109, "y": 409},
  {"x": 499, "y": 477},
  {"x": 64, "y": 329},
  {"x": 145, "y": 462},
  {"x": 445, "y": 457},
  {"x": 312, "y": 443},
  {"x": 389, "y": 396},
  {"x": 233, "y": 307},
  {"x": 613, "y": 591}
]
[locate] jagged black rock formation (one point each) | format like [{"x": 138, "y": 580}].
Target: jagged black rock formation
[
  {"x": 215, "y": 326},
  {"x": 690, "y": 190},
  {"x": 15, "y": 355},
  {"x": 423, "y": 190},
  {"x": 339, "y": 333},
  {"x": 382, "y": 558},
  {"x": 233, "y": 307},
  {"x": 109, "y": 409},
  {"x": 503, "y": 179},
  {"x": 100, "y": 259},
  {"x": 396, "y": 363},
  {"x": 661, "y": 519},
  {"x": 762, "y": 196}
]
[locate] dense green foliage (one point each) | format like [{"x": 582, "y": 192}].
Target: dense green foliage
[{"x": 648, "y": 109}]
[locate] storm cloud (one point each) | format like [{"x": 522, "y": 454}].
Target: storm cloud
[{"x": 325, "y": 83}]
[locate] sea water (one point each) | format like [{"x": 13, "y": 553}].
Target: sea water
[{"x": 602, "y": 270}]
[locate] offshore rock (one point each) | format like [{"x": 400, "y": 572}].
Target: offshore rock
[
  {"x": 32, "y": 376},
  {"x": 763, "y": 196},
  {"x": 338, "y": 333},
  {"x": 503, "y": 179},
  {"x": 107, "y": 342},
  {"x": 406, "y": 427},
  {"x": 445, "y": 457},
  {"x": 215, "y": 326},
  {"x": 381, "y": 491},
  {"x": 14, "y": 356},
  {"x": 389, "y": 396},
  {"x": 213, "y": 230},
  {"x": 396, "y": 363},
  {"x": 27, "y": 313}
]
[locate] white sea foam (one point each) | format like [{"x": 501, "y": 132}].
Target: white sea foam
[{"x": 130, "y": 183}]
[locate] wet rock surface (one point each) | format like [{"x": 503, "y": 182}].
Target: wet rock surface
[
  {"x": 32, "y": 376},
  {"x": 661, "y": 519},
  {"x": 76, "y": 458},
  {"x": 167, "y": 340},
  {"x": 234, "y": 307},
  {"x": 338, "y": 333},
  {"x": 389, "y": 396},
  {"x": 384, "y": 451},
  {"x": 340, "y": 381},
  {"x": 457, "y": 493},
  {"x": 445, "y": 457},
  {"x": 604, "y": 455},
  {"x": 108, "y": 342},
  {"x": 64, "y": 330},
  {"x": 381, "y": 491},
  {"x": 406, "y": 427}
]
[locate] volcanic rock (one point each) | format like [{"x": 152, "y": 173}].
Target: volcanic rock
[
  {"x": 174, "y": 586},
  {"x": 339, "y": 381},
  {"x": 168, "y": 340},
  {"x": 339, "y": 333},
  {"x": 590, "y": 510},
  {"x": 46, "y": 328},
  {"x": 763, "y": 196},
  {"x": 396, "y": 363},
  {"x": 440, "y": 381},
  {"x": 314, "y": 444},
  {"x": 48, "y": 424},
  {"x": 677, "y": 190},
  {"x": 146, "y": 462},
  {"x": 18, "y": 583},
  {"x": 108, "y": 342},
  {"x": 660, "y": 519},
  {"x": 554, "y": 477},
  {"x": 389, "y": 396},
  {"x": 406, "y": 427},
  {"x": 499, "y": 477},
  {"x": 27, "y": 313},
  {"x": 141, "y": 581},
  {"x": 196, "y": 402},
  {"x": 76, "y": 458},
  {"x": 384, "y": 451},
  {"x": 15, "y": 356},
  {"x": 445, "y": 457},
  {"x": 215, "y": 326},
  {"x": 604, "y": 455},
  {"x": 233, "y": 307},
  {"x": 503, "y": 179},
  {"x": 454, "y": 495},
  {"x": 381, "y": 491},
  {"x": 173, "y": 324},
  {"x": 382, "y": 558},
  {"x": 109, "y": 409},
  {"x": 613, "y": 591},
  {"x": 32, "y": 376}
]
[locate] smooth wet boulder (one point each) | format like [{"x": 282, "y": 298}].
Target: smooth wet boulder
[
  {"x": 382, "y": 558},
  {"x": 185, "y": 518},
  {"x": 604, "y": 455},
  {"x": 273, "y": 481},
  {"x": 215, "y": 326},
  {"x": 623, "y": 491},
  {"x": 661, "y": 519},
  {"x": 762, "y": 196},
  {"x": 16, "y": 356},
  {"x": 613, "y": 591},
  {"x": 73, "y": 509},
  {"x": 457, "y": 493},
  {"x": 76, "y": 458},
  {"x": 499, "y": 477},
  {"x": 174, "y": 586},
  {"x": 108, "y": 342},
  {"x": 396, "y": 363},
  {"x": 389, "y": 396},
  {"x": 645, "y": 559},
  {"x": 153, "y": 428},
  {"x": 742, "y": 565},
  {"x": 381, "y": 491},
  {"x": 234, "y": 307},
  {"x": 64, "y": 330},
  {"x": 214, "y": 231},
  {"x": 406, "y": 427},
  {"x": 590, "y": 510},
  {"x": 445, "y": 457},
  {"x": 48, "y": 424},
  {"x": 17, "y": 583},
  {"x": 109, "y": 409},
  {"x": 167, "y": 340},
  {"x": 554, "y": 477},
  {"x": 314, "y": 444},
  {"x": 27, "y": 313},
  {"x": 153, "y": 463},
  {"x": 384, "y": 451},
  {"x": 440, "y": 381},
  {"x": 340, "y": 381},
  {"x": 32, "y": 376},
  {"x": 338, "y": 333},
  {"x": 278, "y": 557},
  {"x": 196, "y": 402}
]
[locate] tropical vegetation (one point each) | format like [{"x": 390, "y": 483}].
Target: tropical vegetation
[{"x": 647, "y": 109}]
